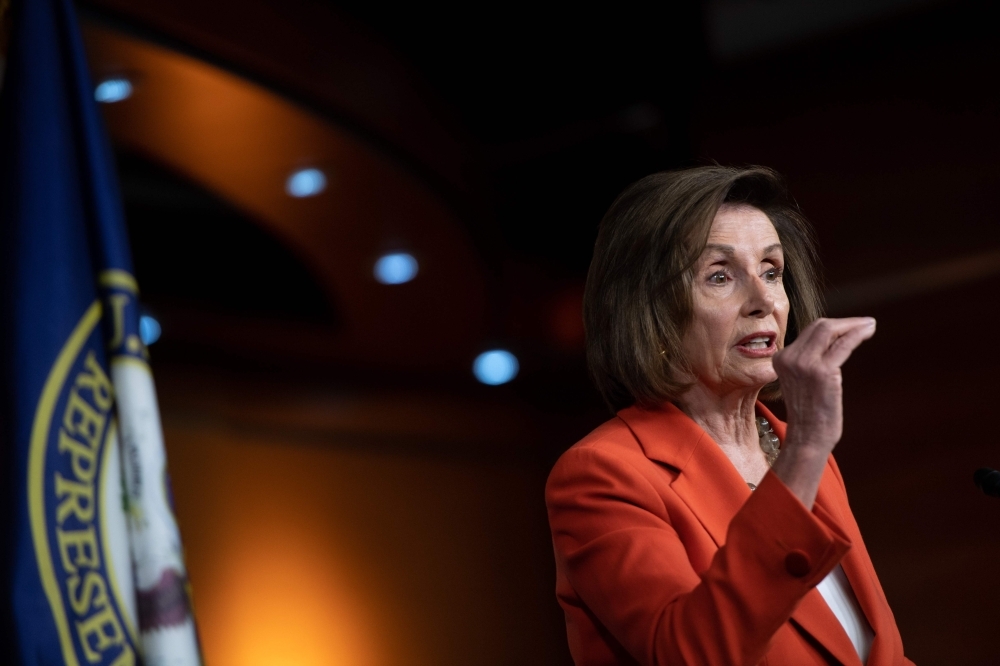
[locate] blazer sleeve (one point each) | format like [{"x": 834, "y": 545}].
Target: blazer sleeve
[{"x": 623, "y": 558}]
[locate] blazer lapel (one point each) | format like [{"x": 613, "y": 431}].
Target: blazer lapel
[
  {"x": 856, "y": 565},
  {"x": 813, "y": 614},
  {"x": 713, "y": 489},
  {"x": 707, "y": 481},
  {"x": 862, "y": 579}
]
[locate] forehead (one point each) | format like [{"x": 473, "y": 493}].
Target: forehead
[{"x": 742, "y": 225}]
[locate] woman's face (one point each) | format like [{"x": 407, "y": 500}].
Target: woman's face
[{"x": 740, "y": 309}]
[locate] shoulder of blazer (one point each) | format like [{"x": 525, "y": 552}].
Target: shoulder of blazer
[
  {"x": 612, "y": 449},
  {"x": 664, "y": 435},
  {"x": 612, "y": 435},
  {"x": 613, "y": 439}
]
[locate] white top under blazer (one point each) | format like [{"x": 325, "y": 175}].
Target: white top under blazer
[{"x": 839, "y": 596}]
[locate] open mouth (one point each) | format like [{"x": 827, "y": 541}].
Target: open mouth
[{"x": 760, "y": 341}]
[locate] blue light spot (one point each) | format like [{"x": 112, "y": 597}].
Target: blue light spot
[
  {"x": 113, "y": 90},
  {"x": 396, "y": 268},
  {"x": 497, "y": 366},
  {"x": 305, "y": 183},
  {"x": 149, "y": 330}
]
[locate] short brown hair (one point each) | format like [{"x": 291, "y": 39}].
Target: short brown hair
[{"x": 637, "y": 302}]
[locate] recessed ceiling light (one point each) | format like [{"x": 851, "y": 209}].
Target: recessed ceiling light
[
  {"x": 113, "y": 90},
  {"x": 494, "y": 367},
  {"x": 149, "y": 329},
  {"x": 305, "y": 183},
  {"x": 396, "y": 268}
]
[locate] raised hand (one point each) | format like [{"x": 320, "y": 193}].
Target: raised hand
[{"x": 811, "y": 383}]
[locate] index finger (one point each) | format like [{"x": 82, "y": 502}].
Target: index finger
[
  {"x": 841, "y": 348},
  {"x": 818, "y": 336}
]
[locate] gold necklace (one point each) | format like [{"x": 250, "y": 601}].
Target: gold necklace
[{"x": 769, "y": 444}]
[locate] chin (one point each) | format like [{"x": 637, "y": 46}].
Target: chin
[
  {"x": 764, "y": 381},
  {"x": 756, "y": 375},
  {"x": 759, "y": 381}
]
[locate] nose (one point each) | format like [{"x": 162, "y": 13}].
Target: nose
[{"x": 759, "y": 301}]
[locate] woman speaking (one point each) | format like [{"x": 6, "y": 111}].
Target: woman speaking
[{"x": 695, "y": 527}]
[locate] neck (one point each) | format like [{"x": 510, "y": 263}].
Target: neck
[{"x": 728, "y": 418}]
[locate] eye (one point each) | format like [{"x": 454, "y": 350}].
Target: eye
[
  {"x": 717, "y": 278},
  {"x": 772, "y": 275}
]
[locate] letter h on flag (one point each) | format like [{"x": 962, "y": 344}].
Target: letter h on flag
[{"x": 93, "y": 572}]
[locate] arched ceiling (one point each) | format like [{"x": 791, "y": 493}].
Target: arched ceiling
[
  {"x": 241, "y": 141},
  {"x": 311, "y": 52}
]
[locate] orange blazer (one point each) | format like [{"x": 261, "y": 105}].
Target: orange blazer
[{"x": 664, "y": 556}]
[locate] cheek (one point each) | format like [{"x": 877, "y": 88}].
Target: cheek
[
  {"x": 781, "y": 308},
  {"x": 709, "y": 333},
  {"x": 781, "y": 312}
]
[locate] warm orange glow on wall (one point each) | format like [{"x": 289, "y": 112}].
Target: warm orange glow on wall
[
  {"x": 309, "y": 553},
  {"x": 284, "y": 604},
  {"x": 271, "y": 587}
]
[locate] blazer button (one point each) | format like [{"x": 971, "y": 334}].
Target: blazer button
[{"x": 797, "y": 564}]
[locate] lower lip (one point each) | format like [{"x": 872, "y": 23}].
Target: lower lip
[{"x": 763, "y": 352}]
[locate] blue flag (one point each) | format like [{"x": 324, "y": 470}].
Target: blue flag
[{"x": 93, "y": 566}]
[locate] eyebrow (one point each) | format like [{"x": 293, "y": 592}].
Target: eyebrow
[
  {"x": 724, "y": 249},
  {"x": 730, "y": 250}
]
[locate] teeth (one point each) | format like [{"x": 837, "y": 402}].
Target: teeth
[{"x": 757, "y": 343}]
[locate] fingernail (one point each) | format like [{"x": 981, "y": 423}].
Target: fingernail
[{"x": 871, "y": 322}]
